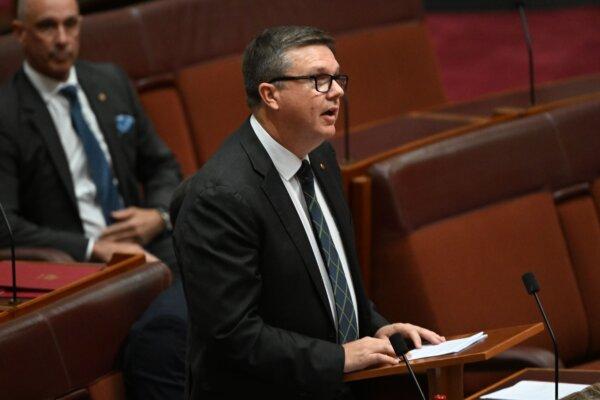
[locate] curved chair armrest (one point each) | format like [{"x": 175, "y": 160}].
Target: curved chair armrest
[
  {"x": 480, "y": 375},
  {"x": 37, "y": 254},
  {"x": 523, "y": 357}
]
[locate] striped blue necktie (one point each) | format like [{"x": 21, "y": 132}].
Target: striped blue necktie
[
  {"x": 107, "y": 193},
  {"x": 346, "y": 317}
]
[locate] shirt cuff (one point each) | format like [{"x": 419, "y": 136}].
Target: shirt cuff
[{"x": 89, "y": 249}]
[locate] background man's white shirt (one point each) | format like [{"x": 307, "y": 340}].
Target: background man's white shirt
[{"x": 90, "y": 211}]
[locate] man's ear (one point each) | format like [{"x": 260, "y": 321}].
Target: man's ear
[
  {"x": 18, "y": 29},
  {"x": 269, "y": 95}
]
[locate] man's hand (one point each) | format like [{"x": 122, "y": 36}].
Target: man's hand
[
  {"x": 415, "y": 333},
  {"x": 368, "y": 351},
  {"x": 103, "y": 250},
  {"x": 134, "y": 224}
]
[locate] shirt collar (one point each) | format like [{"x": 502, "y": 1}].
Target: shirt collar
[
  {"x": 286, "y": 162},
  {"x": 46, "y": 86}
]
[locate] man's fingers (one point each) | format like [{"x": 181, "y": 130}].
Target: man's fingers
[
  {"x": 387, "y": 347},
  {"x": 123, "y": 213},
  {"x": 415, "y": 337},
  {"x": 432, "y": 337},
  {"x": 151, "y": 257},
  {"x": 123, "y": 237},
  {"x": 117, "y": 228},
  {"x": 379, "y": 358}
]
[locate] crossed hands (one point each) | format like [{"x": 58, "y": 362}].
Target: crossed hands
[
  {"x": 134, "y": 227},
  {"x": 369, "y": 351}
]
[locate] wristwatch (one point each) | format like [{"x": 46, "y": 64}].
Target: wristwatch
[{"x": 164, "y": 215}]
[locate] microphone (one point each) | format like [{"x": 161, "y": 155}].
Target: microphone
[
  {"x": 521, "y": 7},
  {"x": 399, "y": 345},
  {"x": 346, "y": 128},
  {"x": 532, "y": 286},
  {"x": 12, "y": 256}
]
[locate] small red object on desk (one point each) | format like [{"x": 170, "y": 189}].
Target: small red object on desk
[{"x": 439, "y": 397}]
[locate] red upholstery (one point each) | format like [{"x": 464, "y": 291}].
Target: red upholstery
[
  {"x": 581, "y": 226},
  {"x": 164, "y": 104},
  {"x": 392, "y": 70},
  {"x": 464, "y": 273},
  {"x": 456, "y": 223},
  {"x": 438, "y": 181},
  {"x": 75, "y": 340},
  {"x": 592, "y": 365},
  {"x": 214, "y": 99}
]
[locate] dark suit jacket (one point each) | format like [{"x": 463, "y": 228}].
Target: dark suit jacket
[
  {"x": 36, "y": 188},
  {"x": 260, "y": 320}
]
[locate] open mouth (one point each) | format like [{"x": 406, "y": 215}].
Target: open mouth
[{"x": 332, "y": 112}]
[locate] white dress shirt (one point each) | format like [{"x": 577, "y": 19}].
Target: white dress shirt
[
  {"x": 90, "y": 211},
  {"x": 288, "y": 164}
]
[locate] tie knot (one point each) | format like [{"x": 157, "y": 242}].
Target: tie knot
[
  {"x": 305, "y": 173},
  {"x": 70, "y": 92}
]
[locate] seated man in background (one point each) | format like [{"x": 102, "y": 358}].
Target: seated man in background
[
  {"x": 264, "y": 239},
  {"x": 81, "y": 168}
]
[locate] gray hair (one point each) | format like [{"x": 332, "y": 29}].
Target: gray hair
[{"x": 264, "y": 58}]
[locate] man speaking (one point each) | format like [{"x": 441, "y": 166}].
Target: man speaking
[{"x": 265, "y": 241}]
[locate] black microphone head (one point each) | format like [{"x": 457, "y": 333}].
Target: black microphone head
[
  {"x": 399, "y": 344},
  {"x": 531, "y": 284}
]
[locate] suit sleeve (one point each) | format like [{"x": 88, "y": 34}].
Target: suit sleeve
[
  {"x": 156, "y": 167},
  {"x": 218, "y": 241},
  {"x": 24, "y": 231}
]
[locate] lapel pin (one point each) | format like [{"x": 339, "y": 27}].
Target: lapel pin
[
  {"x": 322, "y": 166},
  {"x": 102, "y": 96}
]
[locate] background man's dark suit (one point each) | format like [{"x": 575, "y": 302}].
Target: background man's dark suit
[
  {"x": 265, "y": 325},
  {"x": 36, "y": 185}
]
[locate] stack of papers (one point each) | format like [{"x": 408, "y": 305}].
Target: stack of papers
[
  {"x": 535, "y": 390},
  {"x": 448, "y": 347}
]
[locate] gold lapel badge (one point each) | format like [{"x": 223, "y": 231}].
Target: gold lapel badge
[
  {"x": 102, "y": 96},
  {"x": 322, "y": 165}
]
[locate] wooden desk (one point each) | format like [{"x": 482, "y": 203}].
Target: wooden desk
[
  {"x": 542, "y": 374},
  {"x": 445, "y": 373}
]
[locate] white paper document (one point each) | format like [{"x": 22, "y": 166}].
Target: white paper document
[
  {"x": 447, "y": 347},
  {"x": 534, "y": 390}
]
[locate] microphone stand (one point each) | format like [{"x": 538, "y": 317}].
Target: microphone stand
[
  {"x": 13, "y": 300},
  {"x": 525, "y": 25},
  {"x": 532, "y": 286},
  {"x": 345, "y": 102},
  {"x": 400, "y": 348},
  {"x": 539, "y": 303}
]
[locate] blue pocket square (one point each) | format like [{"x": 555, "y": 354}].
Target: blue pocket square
[{"x": 124, "y": 123}]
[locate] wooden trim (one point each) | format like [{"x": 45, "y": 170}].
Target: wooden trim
[{"x": 124, "y": 264}]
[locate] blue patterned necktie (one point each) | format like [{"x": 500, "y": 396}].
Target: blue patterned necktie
[
  {"x": 346, "y": 317},
  {"x": 107, "y": 193}
]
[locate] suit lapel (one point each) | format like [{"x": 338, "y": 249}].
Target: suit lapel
[
  {"x": 282, "y": 204},
  {"x": 100, "y": 103},
  {"x": 36, "y": 115}
]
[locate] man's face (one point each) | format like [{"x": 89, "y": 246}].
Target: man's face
[
  {"x": 310, "y": 115},
  {"x": 49, "y": 36}
]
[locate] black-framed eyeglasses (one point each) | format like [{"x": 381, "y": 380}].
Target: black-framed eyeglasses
[{"x": 323, "y": 82}]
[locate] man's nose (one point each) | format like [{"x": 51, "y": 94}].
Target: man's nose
[
  {"x": 336, "y": 90},
  {"x": 61, "y": 35}
]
